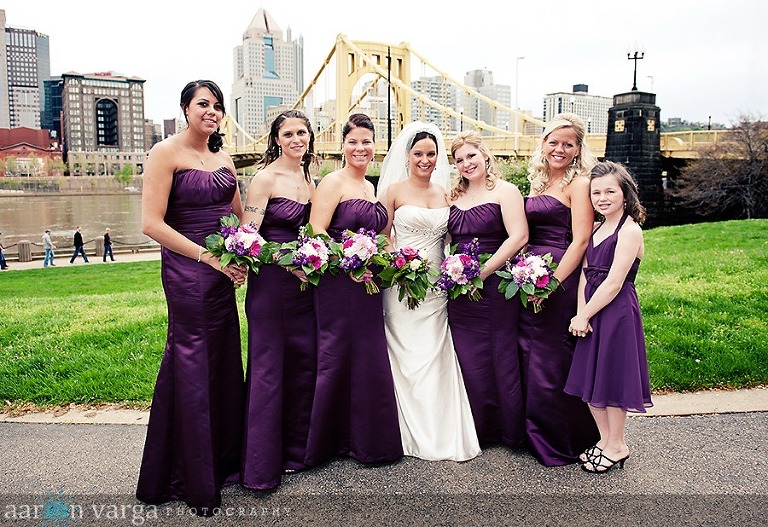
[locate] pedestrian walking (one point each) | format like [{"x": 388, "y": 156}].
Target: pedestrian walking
[
  {"x": 107, "y": 246},
  {"x": 79, "y": 249},
  {"x": 49, "y": 247}
]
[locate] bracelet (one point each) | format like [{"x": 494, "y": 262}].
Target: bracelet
[{"x": 199, "y": 254}]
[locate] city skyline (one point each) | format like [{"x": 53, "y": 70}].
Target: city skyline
[{"x": 701, "y": 60}]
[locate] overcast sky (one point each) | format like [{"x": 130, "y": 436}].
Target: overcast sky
[{"x": 702, "y": 57}]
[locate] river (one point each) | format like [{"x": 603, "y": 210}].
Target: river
[{"x": 26, "y": 217}]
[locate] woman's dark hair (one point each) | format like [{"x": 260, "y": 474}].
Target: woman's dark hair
[
  {"x": 627, "y": 184},
  {"x": 273, "y": 148},
  {"x": 423, "y": 135},
  {"x": 357, "y": 120},
  {"x": 216, "y": 139}
]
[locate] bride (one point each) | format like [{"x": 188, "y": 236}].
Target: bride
[{"x": 434, "y": 414}]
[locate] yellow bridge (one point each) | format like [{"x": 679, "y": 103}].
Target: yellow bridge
[{"x": 357, "y": 61}]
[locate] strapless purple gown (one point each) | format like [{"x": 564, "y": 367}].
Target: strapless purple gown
[
  {"x": 354, "y": 412},
  {"x": 485, "y": 335},
  {"x": 193, "y": 440},
  {"x": 610, "y": 367},
  {"x": 280, "y": 376},
  {"x": 558, "y": 426}
]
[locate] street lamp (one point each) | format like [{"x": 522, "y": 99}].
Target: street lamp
[
  {"x": 573, "y": 103},
  {"x": 709, "y": 123},
  {"x": 589, "y": 125},
  {"x": 636, "y": 55},
  {"x": 517, "y": 107}
]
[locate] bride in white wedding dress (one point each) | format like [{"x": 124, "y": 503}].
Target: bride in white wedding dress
[{"x": 435, "y": 418}]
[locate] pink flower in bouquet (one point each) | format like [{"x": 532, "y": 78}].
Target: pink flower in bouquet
[
  {"x": 460, "y": 272},
  {"x": 409, "y": 252},
  {"x": 241, "y": 244},
  {"x": 358, "y": 249},
  {"x": 313, "y": 252},
  {"x": 407, "y": 270},
  {"x": 529, "y": 274},
  {"x": 309, "y": 252}
]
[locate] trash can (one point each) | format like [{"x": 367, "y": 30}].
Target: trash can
[{"x": 25, "y": 250}]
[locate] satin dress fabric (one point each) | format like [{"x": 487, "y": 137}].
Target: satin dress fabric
[
  {"x": 435, "y": 417},
  {"x": 282, "y": 358},
  {"x": 558, "y": 426},
  {"x": 610, "y": 366},
  {"x": 192, "y": 447},
  {"x": 485, "y": 335},
  {"x": 354, "y": 412}
]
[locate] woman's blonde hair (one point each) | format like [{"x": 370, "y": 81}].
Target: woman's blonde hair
[
  {"x": 473, "y": 138},
  {"x": 538, "y": 169}
]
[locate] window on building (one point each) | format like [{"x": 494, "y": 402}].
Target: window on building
[{"x": 106, "y": 130}]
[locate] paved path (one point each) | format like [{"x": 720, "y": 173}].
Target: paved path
[{"x": 690, "y": 470}]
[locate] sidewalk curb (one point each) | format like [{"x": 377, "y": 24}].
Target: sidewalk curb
[{"x": 705, "y": 402}]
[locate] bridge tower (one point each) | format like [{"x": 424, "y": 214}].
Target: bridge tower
[
  {"x": 634, "y": 140},
  {"x": 356, "y": 59}
]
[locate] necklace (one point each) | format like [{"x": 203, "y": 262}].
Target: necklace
[{"x": 202, "y": 162}]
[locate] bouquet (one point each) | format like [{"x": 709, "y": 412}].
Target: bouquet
[
  {"x": 407, "y": 269},
  {"x": 237, "y": 243},
  {"x": 460, "y": 272},
  {"x": 531, "y": 275},
  {"x": 310, "y": 252},
  {"x": 357, "y": 250}
]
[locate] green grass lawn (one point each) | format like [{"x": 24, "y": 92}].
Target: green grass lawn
[{"x": 95, "y": 334}]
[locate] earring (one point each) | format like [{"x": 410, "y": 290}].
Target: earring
[
  {"x": 487, "y": 164},
  {"x": 575, "y": 161},
  {"x": 279, "y": 150}
]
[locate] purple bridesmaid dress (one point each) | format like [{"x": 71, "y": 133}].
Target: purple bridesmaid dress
[
  {"x": 354, "y": 412},
  {"x": 193, "y": 440},
  {"x": 558, "y": 426},
  {"x": 280, "y": 376},
  {"x": 610, "y": 367},
  {"x": 485, "y": 335}
]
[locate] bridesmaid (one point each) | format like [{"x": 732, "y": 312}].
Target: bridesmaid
[
  {"x": 193, "y": 439},
  {"x": 354, "y": 411},
  {"x": 485, "y": 207},
  {"x": 280, "y": 376},
  {"x": 610, "y": 367},
  {"x": 558, "y": 426}
]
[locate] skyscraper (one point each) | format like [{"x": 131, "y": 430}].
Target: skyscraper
[
  {"x": 268, "y": 73},
  {"x": 24, "y": 64},
  {"x": 482, "y": 82},
  {"x": 103, "y": 121}
]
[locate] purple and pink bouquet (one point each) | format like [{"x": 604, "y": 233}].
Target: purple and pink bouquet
[
  {"x": 310, "y": 252},
  {"x": 357, "y": 250},
  {"x": 409, "y": 271},
  {"x": 529, "y": 274},
  {"x": 241, "y": 244},
  {"x": 460, "y": 271}
]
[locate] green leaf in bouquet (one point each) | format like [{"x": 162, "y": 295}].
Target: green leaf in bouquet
[
  {"x": 528, "y": 288},
  {"x": 230, "y": 221},
  {"x": 509, "y": 289},
  {"x": 268, "y": 252},
  {"x": 226, "y": 258},
  {"x": 506, "y": 275},
  {"x": 214, "y": 243}
]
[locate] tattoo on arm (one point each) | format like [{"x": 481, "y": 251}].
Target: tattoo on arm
[{"x": 257, "y": 210}]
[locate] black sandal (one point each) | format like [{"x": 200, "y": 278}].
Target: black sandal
[
  {"x": 598, "y": 467},
  {"x": 589, "y": 454}
]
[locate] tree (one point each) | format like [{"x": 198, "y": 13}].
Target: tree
[
  {"x": 730, "y": 178},
  {"x": 124, "y": 175}
]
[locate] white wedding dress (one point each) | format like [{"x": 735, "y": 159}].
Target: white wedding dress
[{"x": 435, "y": 418}]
